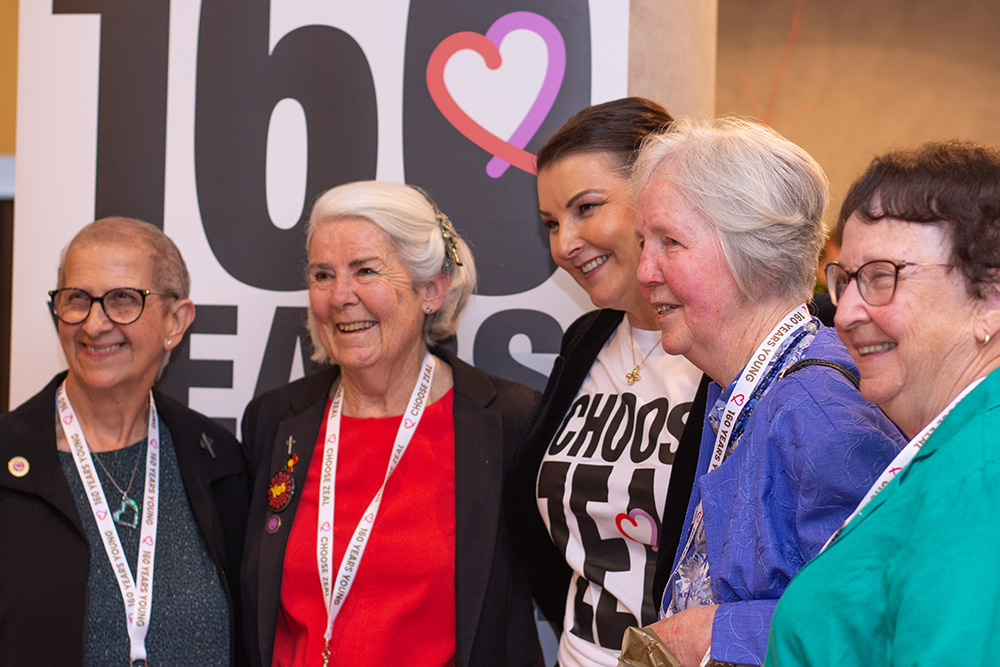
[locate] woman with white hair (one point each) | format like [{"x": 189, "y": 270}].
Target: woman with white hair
[
  {"x": 376, "y": 532},
  {"x": 729, "y": 214}
]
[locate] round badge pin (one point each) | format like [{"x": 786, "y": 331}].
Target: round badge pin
[
  {"x": 18, "y": 466},
  {"x": 273, "y": 524},
  {"x": 280, "y": 490}
]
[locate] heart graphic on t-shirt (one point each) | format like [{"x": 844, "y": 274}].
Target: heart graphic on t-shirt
[{"x": 638, "y": 526}]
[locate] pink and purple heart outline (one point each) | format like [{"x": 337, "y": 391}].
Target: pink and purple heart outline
[{"x": 540, "y": 108}]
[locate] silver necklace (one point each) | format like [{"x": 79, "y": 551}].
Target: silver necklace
[{"x": 128, "y": 513}]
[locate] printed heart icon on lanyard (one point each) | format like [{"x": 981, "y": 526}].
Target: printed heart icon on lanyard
[{"x": 511, "y": 151}]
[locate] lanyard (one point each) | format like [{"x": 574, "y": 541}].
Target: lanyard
[
  {"x": 334, "y": 598},
  {"x": 138, "y": 599},
  {"x": 749, "y": 379},
  {"x": 903, "y": 458},
  {"x": 751, "y": 376}
]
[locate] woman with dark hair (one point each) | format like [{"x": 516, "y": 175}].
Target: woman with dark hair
[
  {"x": 587, "y": 504},
  {"x": 911, "y": 578}
]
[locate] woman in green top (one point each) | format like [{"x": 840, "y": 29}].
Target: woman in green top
[{"x": 912, "y": 578}]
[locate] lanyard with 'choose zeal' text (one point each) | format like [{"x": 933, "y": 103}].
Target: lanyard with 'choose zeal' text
[{"x": 334, "y": 598}]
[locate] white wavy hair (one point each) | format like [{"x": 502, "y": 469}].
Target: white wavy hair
[{"x": 410, "y": 218}]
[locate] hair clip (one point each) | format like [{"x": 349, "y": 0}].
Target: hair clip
[
  {"x": 448, "y": 234},
  {"x": 450, "y": 242}
]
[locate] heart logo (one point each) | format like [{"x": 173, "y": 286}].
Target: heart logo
[
  {"x": 738, "y": 399},
  {"x": 511, "y": 151},
  {"x": 154, "y": 443},
  {"x": 325, "y": 527},
  {"x": 68, "y": 419},
  {"x": 102, "y": 515},
  {"x": 638, "y": 526},
  {"x": 148, "y": 540},
  {"x": 409, "y": 423}
]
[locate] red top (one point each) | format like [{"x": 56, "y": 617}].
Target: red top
[{"x": 401, "y": 609}]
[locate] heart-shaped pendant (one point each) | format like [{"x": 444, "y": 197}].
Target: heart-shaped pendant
[{"x": 128, "y": 506}]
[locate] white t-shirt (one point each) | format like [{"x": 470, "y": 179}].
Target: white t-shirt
[{"x": 602, "y": 486}]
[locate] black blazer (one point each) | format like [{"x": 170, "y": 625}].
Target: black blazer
[
  {"x": 44, "y": 553},
  {"x": 546, "y": 564},
  {"x": 495, "y": 624}
]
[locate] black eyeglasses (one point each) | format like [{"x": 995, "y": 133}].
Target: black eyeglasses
[
  {"x": 876, "y": 279},
  {"x": 122, "y": 305}
]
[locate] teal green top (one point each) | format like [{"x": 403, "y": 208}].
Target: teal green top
[{"x": 915, "y": 578}]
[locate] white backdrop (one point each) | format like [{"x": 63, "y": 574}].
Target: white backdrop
[{"x": 58, "y": 79}]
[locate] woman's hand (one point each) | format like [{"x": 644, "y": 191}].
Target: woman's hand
[{"x": 688, "y": 634}]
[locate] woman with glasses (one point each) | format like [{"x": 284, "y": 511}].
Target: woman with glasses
[
  {"x": 729, "y": 215},
  {"x": 122, "y": 512},
  {"x": 912, "y": 578}
]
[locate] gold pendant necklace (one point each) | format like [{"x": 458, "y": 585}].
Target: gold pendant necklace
[{"x": 633, "y": 376}]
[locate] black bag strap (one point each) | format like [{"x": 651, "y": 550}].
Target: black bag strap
[{"x": 802, "y": 363}]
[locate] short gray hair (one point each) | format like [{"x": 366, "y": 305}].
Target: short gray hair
[
  {"x": 170, "y": 273},
  {"x": 762, "y": 195},
  {"x": 411, "y": 219}
]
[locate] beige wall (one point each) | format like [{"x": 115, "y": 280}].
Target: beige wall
[
  {"x": 672, "y": 53},
  {"x": 8, "y": 74},
  {"x": 861, "y": 76}
]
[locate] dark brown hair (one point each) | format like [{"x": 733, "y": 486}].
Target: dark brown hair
[
  {"x": 955, "y": 184},
  {"x": 615, "y": 128}
]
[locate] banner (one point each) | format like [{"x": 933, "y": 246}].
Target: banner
[{"x": 222, "y": 120}]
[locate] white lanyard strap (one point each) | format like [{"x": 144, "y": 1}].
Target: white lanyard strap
[
  {"x": 903, "y": 458},
  {"x": 138, "y": 600},
  {"x": 750, "y": 377},
  {"x": 334, "y": 598}
]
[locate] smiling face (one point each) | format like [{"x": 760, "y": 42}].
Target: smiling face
[
  {"x": 366, "y": 311},
  {"x": 102, "y": 355},
  {"x": 582, "y": 199},
  {"x": 684, "y": 276},
  {"x": 915, "y": 352}
]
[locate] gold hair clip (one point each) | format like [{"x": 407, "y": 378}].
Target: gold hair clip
[
  {"x": 450, "y": 242},
  {"x": 448, "y": 233}
]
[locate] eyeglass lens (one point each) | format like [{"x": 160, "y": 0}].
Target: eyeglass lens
[
  {"x": 122, "y": 305},
  {"x": 876, "y": 281}
]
